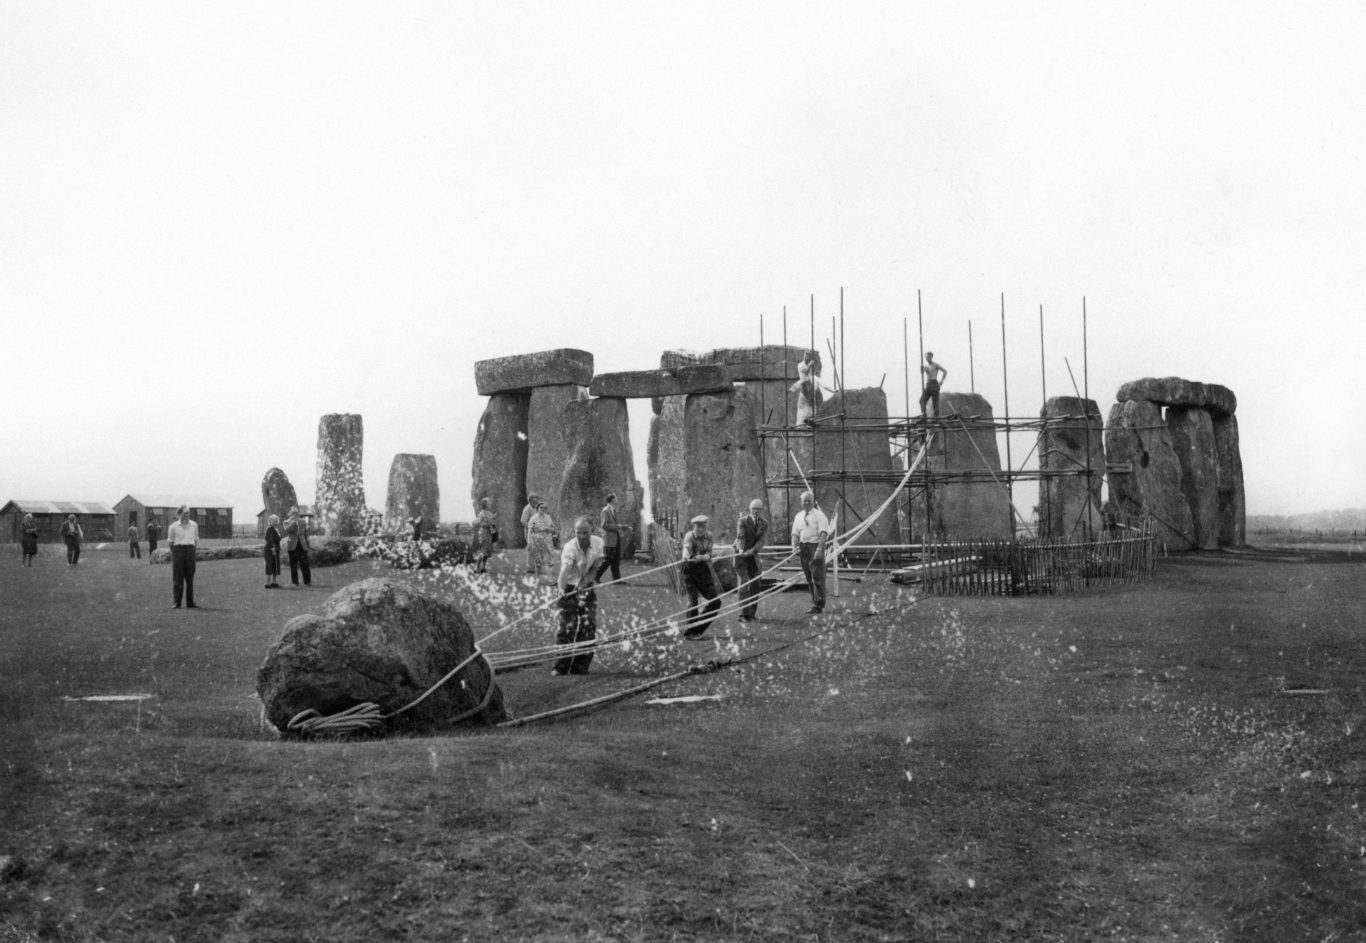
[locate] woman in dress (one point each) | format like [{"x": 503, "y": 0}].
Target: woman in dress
[
  {"x": 28, "y": 539},
  {"x": 485, "y": 533},
  {"x": 541, "y": 542},
  {"x": 273, "y": 552}
]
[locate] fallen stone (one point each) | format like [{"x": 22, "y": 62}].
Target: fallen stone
[
  {"x": 413, "y": 492},
  {"x": 339, "y": 506},
  {"x": 500, "y": 463},
  {"x": 521, "y": 373},
  {"x": 1137, "y": 436},
  {"x": 1071, "y": 444},
  {"x": 379, "y": 641}
]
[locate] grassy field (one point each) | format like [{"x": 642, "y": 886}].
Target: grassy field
[{"x": 1182, "y": 760}]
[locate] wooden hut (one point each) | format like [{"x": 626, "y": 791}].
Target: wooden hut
[
  {"x": 212, "y": 514},
  {"x": 96, "y": 519}
]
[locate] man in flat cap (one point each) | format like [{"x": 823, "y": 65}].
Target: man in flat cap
[
  {"x": 698, "y": 578},
  {"x": 750, "y": 533}
]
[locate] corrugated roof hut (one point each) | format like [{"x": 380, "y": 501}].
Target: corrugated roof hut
[
  {"x": 96, "y": 519},
  {"x": 212, "y": 514}
]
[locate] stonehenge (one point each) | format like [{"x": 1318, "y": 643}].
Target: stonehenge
[
  {"x": 726, "y": 428},
  {"x": 413, "y": 492}
]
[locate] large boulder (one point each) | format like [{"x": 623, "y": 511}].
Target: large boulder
[
  {"x": 850, "y": 438},
  {"x": 1228, "y": 467},
  {"x": 599, "y": 463},
  {"x": 413, "y": 492},
  {"x": 1192, "y": 432},
  {"x": 378, "y": 641},
  {"x": 1072, "y": 457},
  {"x": 550, "y": 441},
  {"x": 524, "y": 372},
  {"x": 339, "y": 504},
  {"x": 1138, "y": 439},
  {"x": 500, "y": 463},
  {"x": 277, "y": 495}
]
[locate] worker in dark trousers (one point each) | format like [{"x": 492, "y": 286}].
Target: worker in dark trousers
[
  {"x": 184, "y": 538},
  {"x": 579, "y": 562},
  {"x": 697, "y": 577}
]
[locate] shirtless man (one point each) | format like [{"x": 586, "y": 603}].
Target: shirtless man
[{"x": 933, "y": 374}]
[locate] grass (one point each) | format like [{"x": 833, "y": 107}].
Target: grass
[{"x": 1133, "y": 764}]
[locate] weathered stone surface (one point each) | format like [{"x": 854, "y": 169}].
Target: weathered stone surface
[
  {"x": 716, "y": 471},
  {"x": 1072, "y": 442},
  {"x": 1136, "y": 435},
  {"x": 1228, "y": 467},
  {"x": 500, "y": 463},
  {"x": 776, "y": 406},
  {"x": 413, "y": 492},
  {"x": 550, "y": 441},
  {"x": 521, "y": 373},
  {"x": 277, "y": 494},
  {"x": 339, "y": 504},
  {"x": 665, "y": 459},
  {"x": 599, "y": 462},
  {"x": 635, "y": 384},
  {"x": 1192, "y": 432},
  {"x": 770, "y": 362},
  {"x": 968, "y": 508},
  {"x": 861, "y": 455},
  {"x": 1174, "y": 391},
  {"x": 703, "y": 378},
  {"x": 383, "y": 642}
]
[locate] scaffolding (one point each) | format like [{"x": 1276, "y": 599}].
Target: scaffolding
[{"x": 1026, "y": 556}]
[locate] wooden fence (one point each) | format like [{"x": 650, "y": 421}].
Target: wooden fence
[{"x": 994, "y": 567}]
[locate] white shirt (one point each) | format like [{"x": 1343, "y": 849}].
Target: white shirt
[
  {"x": 186, "y": 535},
  {"x": 808, "y": 526},
  {"x": 576, "y": 564}
]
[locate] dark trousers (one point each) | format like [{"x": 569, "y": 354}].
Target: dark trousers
[
  {"x": 611, "y": 557},
  {"x": 578, "y": 623},
  {"x": 73, "y": 551},
  {"x": 699, "y": 584},
  {"x": 298, "y": 560},
  {"x": 931, "y": 393},
  {"x": 182, "y": 573},
  {"x": 134, "y": 550},
  {"x": 813, "y": 568},
  {"x": 747, "y": 572},
  {"x": 151, "y": 546}
]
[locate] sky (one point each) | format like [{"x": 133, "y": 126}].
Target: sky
[{"x": 221, "y": 221}]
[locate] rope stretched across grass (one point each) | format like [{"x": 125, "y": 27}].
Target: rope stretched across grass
[{"x": 367, "y": 716}]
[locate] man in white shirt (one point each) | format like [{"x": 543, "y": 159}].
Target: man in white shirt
[
  {"x": 579, "y": 562},
  {"x": 810, "y": 533},
  {"x": 183, "y": 535}
]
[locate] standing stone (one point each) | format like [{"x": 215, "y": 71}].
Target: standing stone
[
  {"x": 775, "y": 405},
  {"x": 339, "y": 507},
  {"x": 665, "y": 459},
  {"x": 500, "y": 460},
  {"x": 1192, "y": 432},
  {"x": 599, "y": 463},
  {"x": 1228, "y": 467},
  {"x": 865, "y": 458},
  {"x": 413, "y": 492},
  {"x": 967, "y": 445},
  {"x": 1137, "y": 436},
  {"x": 379, "y": 641},
  {"x": 1071, "y": 444},
  {"x": 549, "y": 443},
  {"x": 277, "y": 494}
]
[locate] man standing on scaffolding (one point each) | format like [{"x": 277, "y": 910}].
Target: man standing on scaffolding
[
  {"x": 810, "y": 533},
  {"x": 578, "y": 601},
  {"x": 933, "y": 374}
]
